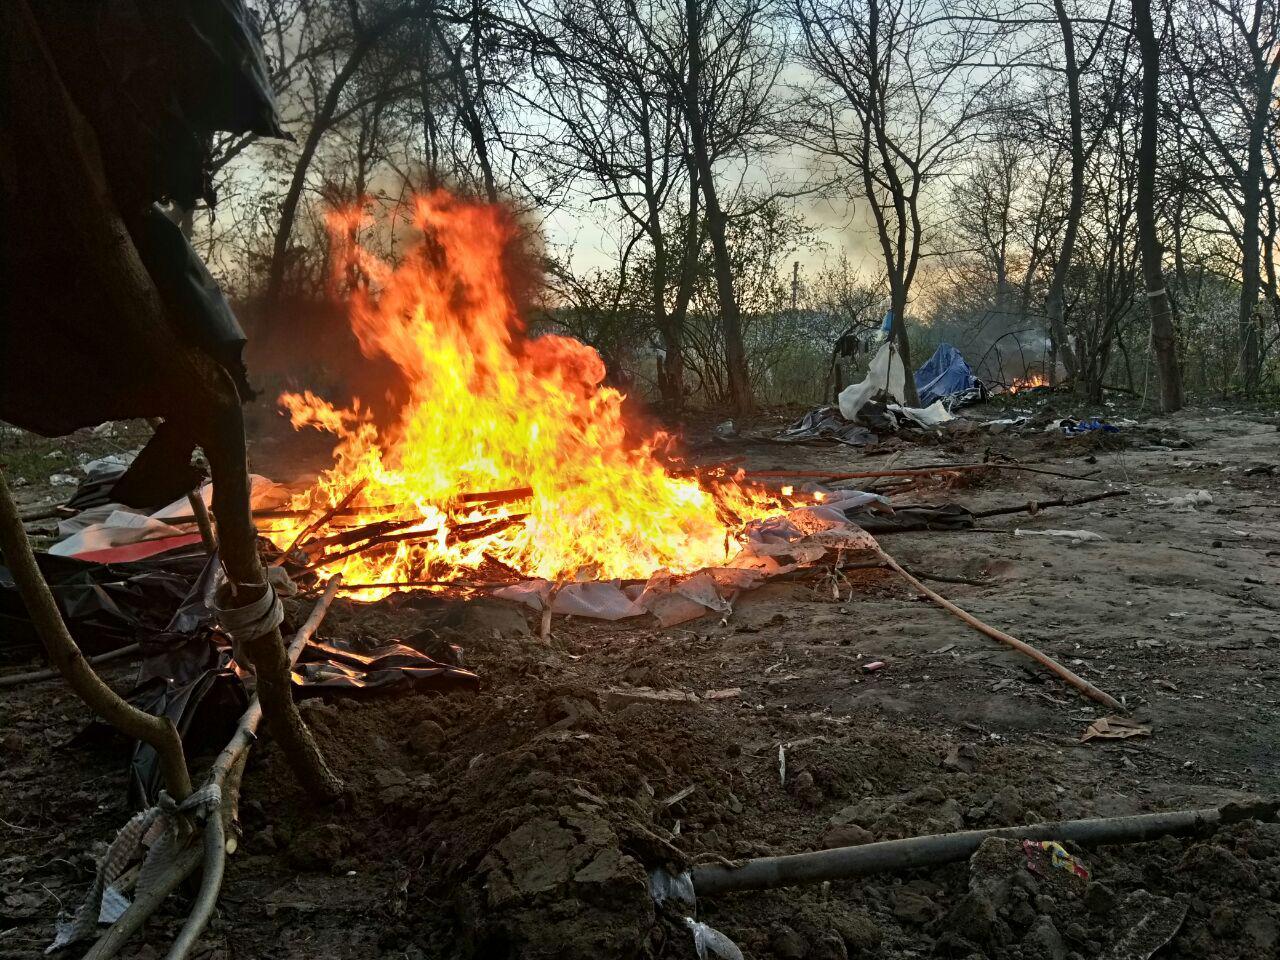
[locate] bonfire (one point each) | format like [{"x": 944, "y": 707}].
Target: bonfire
[{"x": 508, "y": 451}]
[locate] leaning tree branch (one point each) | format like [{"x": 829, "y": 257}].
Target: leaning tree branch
[
  {"x": 66, "y": 656},
  {"x": 220, "y": 828}
]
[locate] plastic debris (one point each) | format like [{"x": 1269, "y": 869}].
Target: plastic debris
[
  {"x": 1044, "y": 856},
  {"x": 1149, "y": 923},
  {"x": 664, "y": 885},
  {"x": 1079, "y": 536},
  {"x": 1189, "y": 502},
  {"x": 710, "y": 942},
  {"x": 884, "y": 373},
  {"x": 1115, "y": 728},
  {"x": 1074, "y": 428}
]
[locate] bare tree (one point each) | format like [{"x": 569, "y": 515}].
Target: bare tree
[
  {"x": 1228, "y": 53},
  {"x": 1074, "y": 66},
  {"x": 898, "y": 99},
  {"x": 615, "y": 125},
  {"x": 1163, "y": 335}
]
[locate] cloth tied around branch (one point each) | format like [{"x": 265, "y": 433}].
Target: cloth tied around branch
[
  {"x": 162, "y": 830},
  {"x": 251, "y": 621}
]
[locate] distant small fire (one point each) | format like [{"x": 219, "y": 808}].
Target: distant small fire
[
  {"x": 509, "y": 452},
  {"x": 1029, "y": 382}
]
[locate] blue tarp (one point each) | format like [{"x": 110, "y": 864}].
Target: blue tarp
[{"x": 944, "y": 375}]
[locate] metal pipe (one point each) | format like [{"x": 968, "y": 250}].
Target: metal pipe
[{"x": 847, "y": 863}]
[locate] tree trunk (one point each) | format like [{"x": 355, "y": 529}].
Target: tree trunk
[
  {"x": 898, "y": 301},
  {"x": 684, "y": 293},
  {"x": 293, "y": 196},
  {"x": 717, "y": 223},
  {"x": 1163, "y": 336},
  {"x": 1055, "y": 306},
  {"x": 1250, "y": 244}
]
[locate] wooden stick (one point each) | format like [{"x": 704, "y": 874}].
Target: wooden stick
[
  {"x": 460, "y": 534},
  {"x": 31, "y": 514},
  {"x": 286, "y": 513},
  {"x": 201, "y": 513},
  {"x": 36, "y": 676},
  {"x": 65, "y": 655},
  {"x": 226, "y": 771},
  {"x": 1084, "y": 686},
  {"x": 914, "y": 472},
  {"x": 324, "y": 518},
  {"x": 1035, "y": 506}
]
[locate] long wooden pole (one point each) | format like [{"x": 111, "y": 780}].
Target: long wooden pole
[{"x": 1081, "y": 684}]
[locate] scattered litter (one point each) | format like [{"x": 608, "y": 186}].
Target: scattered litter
[
  {"x": 1080, "y": 536},
  {"x": 710, "y": 942},
  {"x": 679, "y": 795},
  {"x": 664, "y": 885},
  {"x": 1115, "y": 728},
  {"x": 1044, "y": 856},
  {"x": 826, "y": 423},
  {"x": 727, "y": 693},
  {"x": 726, "y": 429},
  {"x": 63, "y": 480},
  {"x": 1149, "y": 923},
  {"x": 928, "y": 417},
  {"x": 1074, "y": 428},
  {"x": 1189, "y": 502},
  {"x": 1005, "y": 423},
  {"x": 873, "y": 666},
  {"x": 619, "y": 697}
]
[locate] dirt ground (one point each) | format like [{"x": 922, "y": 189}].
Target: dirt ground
[{"x": 522, "y": 821}]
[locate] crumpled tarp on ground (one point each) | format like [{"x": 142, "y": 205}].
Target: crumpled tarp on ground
[
  {"x": 875, "y": 418},
  {"x": 105, "y": 606},
  {"x": 859, "y": 418},
  {"x": 826, "y": 423},
  {"x": 774, "y": 546}
]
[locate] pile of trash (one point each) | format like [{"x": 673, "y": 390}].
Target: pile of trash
[
  {"x": 943, "y": 384},
  {"x": 142, "y": 578}
]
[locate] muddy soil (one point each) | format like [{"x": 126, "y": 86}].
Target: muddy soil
[{"x": 523, "y": 821}]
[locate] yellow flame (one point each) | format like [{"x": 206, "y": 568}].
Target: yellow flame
[{"x": 491, "y": 408}]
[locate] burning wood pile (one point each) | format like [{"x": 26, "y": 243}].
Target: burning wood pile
[{"x": 508, "y": 458}]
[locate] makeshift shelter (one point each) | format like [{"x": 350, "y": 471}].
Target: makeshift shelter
[{"x": 946, "y": 375}]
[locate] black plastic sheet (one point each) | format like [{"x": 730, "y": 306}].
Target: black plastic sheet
[{"x": 105, "y": 606}]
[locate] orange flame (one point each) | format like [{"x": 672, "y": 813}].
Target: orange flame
[
  {"x": 491, "y": 408},
  {"x": 1028, "y": 382}
]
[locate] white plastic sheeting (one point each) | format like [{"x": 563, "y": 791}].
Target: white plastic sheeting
[
  {"x": 774, "y": 546},
  {"x": 885, "y": 372},
  {"x": 114, "y": 525}
]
